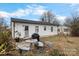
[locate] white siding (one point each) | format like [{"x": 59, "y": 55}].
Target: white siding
[
  {"x": 12, "y": 28},
  {"x": 20, "y": 28},
  {"x": 62, "y": 30}
]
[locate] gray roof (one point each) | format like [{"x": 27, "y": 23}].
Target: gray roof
[{"x": 30, "y": 21}]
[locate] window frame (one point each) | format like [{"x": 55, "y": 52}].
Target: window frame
[
  {"x": 51, "y": 28},
  {"x": 26, "y": 28},
  {"x": 44, "y": 28},
  {"x": 66, "y": 30},
  {"x": 36, "y": 29},
  {"x": 58, "y": 30}
]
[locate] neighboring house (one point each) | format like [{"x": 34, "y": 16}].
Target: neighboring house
[
  {"x": 25, "y": 28},
  {"x": 64, "y": 30}
]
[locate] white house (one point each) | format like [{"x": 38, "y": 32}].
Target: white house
[
  {"x": 25, "y": 28},
  {"x": 64, "y": 29}
]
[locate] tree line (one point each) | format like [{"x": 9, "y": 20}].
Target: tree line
[{"x": 72, "y": 22}]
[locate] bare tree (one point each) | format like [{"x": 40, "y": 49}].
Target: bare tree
[
  {"x": 56, "y": 22},
  {"x": 73, "y": 23},
  {"x": 47, "y": 17},
  {"x": 1, "y": 21},
  {"x": 3, "y": 24},
  {"x": 67, "y": 22}
]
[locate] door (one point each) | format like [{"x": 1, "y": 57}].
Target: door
[
  {"x": 26, "y": 31},
  {"x": 36, "y": 29}
]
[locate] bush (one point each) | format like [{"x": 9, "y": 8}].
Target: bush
[
  {"x": 75, "y": 28},
  {"x": 5, "y": 40},
  {"x": 4, "y": 37}
]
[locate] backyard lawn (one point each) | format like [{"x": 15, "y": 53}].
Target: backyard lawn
[
  {"x": 60, "y": 46},
  {"x": 64, "y": 44}
]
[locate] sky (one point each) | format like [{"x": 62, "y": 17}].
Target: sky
[{"x": 33, "y": 11}]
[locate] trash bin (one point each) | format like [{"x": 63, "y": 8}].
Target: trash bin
[
  {"x": 35, "y": 36},
  {"x": 38, "y": 44}
]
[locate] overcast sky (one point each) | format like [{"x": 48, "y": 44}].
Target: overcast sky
[{"x": 34, "y": 11}]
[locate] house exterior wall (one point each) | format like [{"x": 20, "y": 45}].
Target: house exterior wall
[
  {"x": 62, "y": 30},
  {"x": 12, "y": 28},
  {"x": 21, "y": 26}
]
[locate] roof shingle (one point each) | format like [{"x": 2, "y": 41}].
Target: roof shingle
[{"x": 30, "y": 21}]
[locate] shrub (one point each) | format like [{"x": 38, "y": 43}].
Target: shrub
[
  {"x": 4, "y": 37},
  {"x": 75, "y": 28},
  {"x": 5, "y": 40}
]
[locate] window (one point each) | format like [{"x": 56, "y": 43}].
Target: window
[
  {"x": 26, "y": 28},
  {"x": 26, "y": 31},
  {"x": 58, "y": 30},
  {"x": 65, "y": 30},
  {"x": 51, "y": 29},
  {"x": 44, "y": 28},
  {"x": 36, "y": 29}
]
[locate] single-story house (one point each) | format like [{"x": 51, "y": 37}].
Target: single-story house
[
  {"x": 64, "y": 29},
  {"x": 25, "y": 28}
]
